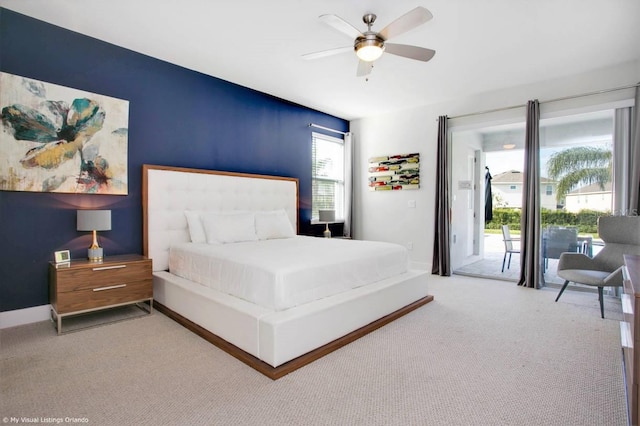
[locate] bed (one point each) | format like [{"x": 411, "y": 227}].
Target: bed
[{"x": 287, "y": 318}]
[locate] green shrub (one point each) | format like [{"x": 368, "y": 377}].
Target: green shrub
[{"x": 585, "y": 220}]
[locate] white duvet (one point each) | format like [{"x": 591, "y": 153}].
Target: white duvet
[{"x": 282, "y": 273}]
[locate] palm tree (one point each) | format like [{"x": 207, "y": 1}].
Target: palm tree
[{"x": 579, "y": 165}]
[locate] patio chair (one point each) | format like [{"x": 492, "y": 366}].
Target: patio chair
[
  {"x": 508, "y": 245},
  {"x": 557, "y": 240},
  {"x": 621, "y": 235}
]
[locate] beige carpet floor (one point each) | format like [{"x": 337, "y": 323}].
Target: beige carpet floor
[{"x": 482, "y": 353}]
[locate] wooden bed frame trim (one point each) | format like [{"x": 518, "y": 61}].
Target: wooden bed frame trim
[{"x": 275, "y": 373}]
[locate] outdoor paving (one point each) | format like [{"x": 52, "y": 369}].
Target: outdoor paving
[{"x": 491, "y": 265}]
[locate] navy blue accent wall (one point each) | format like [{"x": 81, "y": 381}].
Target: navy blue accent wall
[{"x": 177, "y": 117}]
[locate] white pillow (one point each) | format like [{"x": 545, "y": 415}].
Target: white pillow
[
  {"x": 273, "y": 224},
  {"x": 229, "y": 227},
  {"x": 196, "y": 230}
]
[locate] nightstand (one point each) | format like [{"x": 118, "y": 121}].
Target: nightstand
[{"x": 82, "y": 286}]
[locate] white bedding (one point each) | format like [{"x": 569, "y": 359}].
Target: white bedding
[{"x": 282, "y": 273}]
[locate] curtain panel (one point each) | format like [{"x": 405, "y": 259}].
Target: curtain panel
[
  {"x": 441, "y": 256},
  {"x": 634, "y": 158},
  {"x": 531, "y": 271},
  {"x": 622, "y": 161},
  {"x": 348, "y": 185}
]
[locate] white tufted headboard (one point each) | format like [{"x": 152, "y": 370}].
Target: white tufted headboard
[{"x": 168, "y": 191}]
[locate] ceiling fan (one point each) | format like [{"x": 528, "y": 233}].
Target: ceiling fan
[{"x": 370, "y": 45}]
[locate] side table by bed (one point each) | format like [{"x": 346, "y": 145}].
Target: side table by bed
[
  {"x": 82, "y": 286},
  {"x": 630, "y": 334}
]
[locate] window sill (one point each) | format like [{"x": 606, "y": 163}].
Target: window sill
[{"x": 317, "y": 222}]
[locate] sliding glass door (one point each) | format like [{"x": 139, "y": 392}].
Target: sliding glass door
[
  {"x": 576, "y": 155},
  {"x": 486, "y": 201},
  {"x": 576, "y": 187}
]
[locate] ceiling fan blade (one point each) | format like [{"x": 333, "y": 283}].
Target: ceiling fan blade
[
  {"x": 406, "y": 22},
  {"x": 364, "y": 68},
  {"x": 329, "y": 52},
  {"x": 341, "y": 25},
  {"x": 411, "y": 52}
]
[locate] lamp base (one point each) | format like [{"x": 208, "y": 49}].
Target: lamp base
[
  {"x": 327, "y": 232},
  {"x": 95, "y": 254}
]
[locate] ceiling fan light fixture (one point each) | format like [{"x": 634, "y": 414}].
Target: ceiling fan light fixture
[
  {"x": 369, "y": 49},
  {"x": 370, "y": 45}
]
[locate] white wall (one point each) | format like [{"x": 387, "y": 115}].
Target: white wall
[
  {"x": 513, "y": 197},
  {"x": 463, "y": 199},
  {"x": 598, "y": 201},
  {"x": 510, "y": 197},
  {"x": 385, "y": 216}
]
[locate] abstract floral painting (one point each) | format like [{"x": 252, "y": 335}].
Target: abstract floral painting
[
  {"x": 58, "y": 139},
  {"x": 394, "y": 172}
]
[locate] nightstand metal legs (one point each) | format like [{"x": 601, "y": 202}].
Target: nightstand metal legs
[{"x": 144, "y": 305}]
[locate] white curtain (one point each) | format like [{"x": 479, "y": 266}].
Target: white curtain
[
  {"x": 626, "y": 160},
  {"x": 621, "y": 161},
  {"x": 634, "y": 158},
  {"x": 348, "y": 184}
]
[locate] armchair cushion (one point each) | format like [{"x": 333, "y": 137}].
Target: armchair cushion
[
  {"x": 585, "y": 276},
  {"x": 576, "y": 261}
]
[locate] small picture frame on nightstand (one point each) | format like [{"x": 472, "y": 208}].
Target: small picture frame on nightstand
[{"x": 62, "y": 256}]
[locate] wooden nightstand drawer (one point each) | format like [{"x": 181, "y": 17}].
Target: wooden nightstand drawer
[
  {"x": 101, "y": 275},
  {"x": 116, "y": 294},
  {"x": 82, "y": 286}
]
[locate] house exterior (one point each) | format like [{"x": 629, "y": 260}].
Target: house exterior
[
  {"x": 590, "y": 197},
  {"x": 507, "y": 190}
]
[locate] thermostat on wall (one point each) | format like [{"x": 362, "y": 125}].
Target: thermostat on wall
[{"x": 464, "y": 184}]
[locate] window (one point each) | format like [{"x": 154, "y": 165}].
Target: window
[
  {"x": 327, "y": 175},
  {"x": 549, "y": 190},
  {"x": 513, "y": 187}
]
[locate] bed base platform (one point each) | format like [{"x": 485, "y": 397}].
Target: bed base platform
[
  {"x": 275, "y": 373},
  {"x": 276, "y": 343}
]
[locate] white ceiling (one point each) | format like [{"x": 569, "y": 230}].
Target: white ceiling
[{"x": 481, "y": 45}]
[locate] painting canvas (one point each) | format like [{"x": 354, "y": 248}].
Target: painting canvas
[
  {"x": 394, "y": 172},
  {"x": 58, "y": 139}
]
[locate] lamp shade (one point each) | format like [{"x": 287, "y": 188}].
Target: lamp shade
[
  {"x": 94, "y": 220},
  {"x": 327, "y": 215}
]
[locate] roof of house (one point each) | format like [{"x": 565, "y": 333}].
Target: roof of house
[
  {"x": 592, "y": 188},
  {"x": 514, "y": 176}
]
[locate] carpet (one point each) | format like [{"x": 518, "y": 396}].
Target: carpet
[{"x": 484, "y": 352}]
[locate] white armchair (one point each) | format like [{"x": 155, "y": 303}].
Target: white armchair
[{"x": 621, "y": 235}]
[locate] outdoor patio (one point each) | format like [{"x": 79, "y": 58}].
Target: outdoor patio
[{"x": 491, "y": 265}]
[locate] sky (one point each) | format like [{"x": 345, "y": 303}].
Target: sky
[{"x": 503, "y": 161}]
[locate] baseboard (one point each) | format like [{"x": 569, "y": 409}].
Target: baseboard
[
  {"x": 24, "y": 316},
  {"x": 419, "y": 265}
]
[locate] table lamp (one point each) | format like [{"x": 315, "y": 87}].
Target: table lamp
[
  {"x": 94, "y": 220},
  {"x": 327, "y": 216}
]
